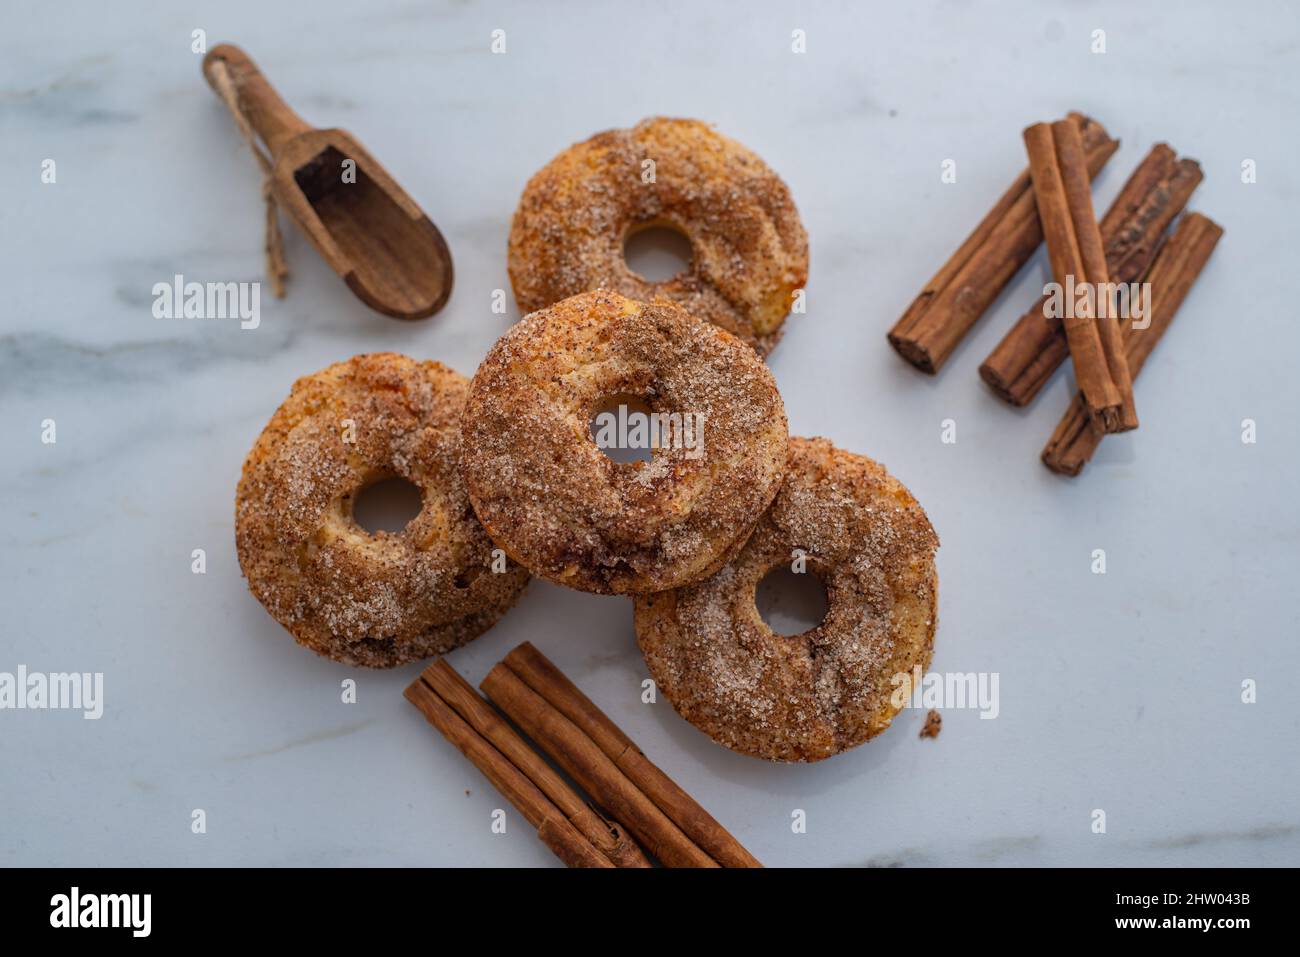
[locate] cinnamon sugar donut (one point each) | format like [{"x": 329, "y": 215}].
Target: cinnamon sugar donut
[
  {"x": 566, "y": 511},
  {"x": 804, "y": 697},
  {"x": 750, "y": 251},
  {"x": 377, "y": 599}
]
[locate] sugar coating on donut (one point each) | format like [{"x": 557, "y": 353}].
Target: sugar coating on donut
[
  {"x": 804, "y": 697},
  {"x": 377, "y": 599},
  {"x": 566, "y": 511},
  {"x": 749, "y": 248}
]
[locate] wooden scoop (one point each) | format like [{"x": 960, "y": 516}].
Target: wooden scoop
[{"x": 369, "y": 231}]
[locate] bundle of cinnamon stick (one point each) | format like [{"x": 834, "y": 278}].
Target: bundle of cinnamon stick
[
  {"x": 1091, "y": 262},
  {"x": 635, "y": 808}
]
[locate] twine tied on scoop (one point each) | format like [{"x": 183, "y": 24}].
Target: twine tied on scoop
[{"x": 276, "y": 267}]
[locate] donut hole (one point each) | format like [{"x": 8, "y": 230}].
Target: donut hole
[
  {"x": 657, "y": 252},
  {"x": 621, "y": 427},
  {"x": 387, "y": 505},
  {"x": 791, "y": 603}
]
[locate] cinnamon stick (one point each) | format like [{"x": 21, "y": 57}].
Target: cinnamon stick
[
  {"x": 1078, "y": 195},
  {"x": 605, "y": 835},
  {"x": 1176, "y": 267},
  {"x": 539, "y": 673},
  {"x": 560, "y": 835},
  {"x": 959, "y": 293},
  {"x": 1132, "y": 228},
  {"x": 1055, "y": 167},
  {"x": 580, "y": 758},
  {"x": 568, "y": 845}
]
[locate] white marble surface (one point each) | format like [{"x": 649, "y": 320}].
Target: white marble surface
[{"x": 1119, "y": 692}]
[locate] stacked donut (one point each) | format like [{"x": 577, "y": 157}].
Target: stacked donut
[{"x": 508, "y": 466}]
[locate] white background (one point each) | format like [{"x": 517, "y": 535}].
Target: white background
[{"x": 1119, "y": 692}]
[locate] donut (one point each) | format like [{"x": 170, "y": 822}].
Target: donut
[
  {"x": 804, "y": 697},
  {"x": 564, "y": 509},
  {"x": 749, "y": 248},
  {"x": 376, "y": 599}
]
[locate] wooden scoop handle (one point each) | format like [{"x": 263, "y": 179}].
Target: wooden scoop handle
[{"x": 266, "y": 112}]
